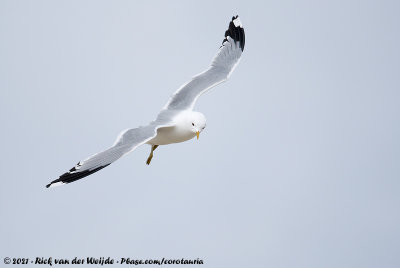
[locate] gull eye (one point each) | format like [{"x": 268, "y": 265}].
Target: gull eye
[{"x": 192, "y": 124}]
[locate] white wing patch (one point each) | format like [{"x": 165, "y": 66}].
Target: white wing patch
[{"x": 237, "y": 22}]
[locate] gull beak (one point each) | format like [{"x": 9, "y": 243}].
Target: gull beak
[{"x": 198, "y": 133}]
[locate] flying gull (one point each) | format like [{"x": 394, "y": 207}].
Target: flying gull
[{"x": 177, "y": 122}]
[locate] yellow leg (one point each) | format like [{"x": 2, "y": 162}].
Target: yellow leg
[{"x": 151, "y": 154}]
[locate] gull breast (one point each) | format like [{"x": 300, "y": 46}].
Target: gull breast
[{"x": 168, "y": 135}]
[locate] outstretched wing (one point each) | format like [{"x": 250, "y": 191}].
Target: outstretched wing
[
  {"x": 126, "y": 142},
  {"x": 221, "y": 67}
]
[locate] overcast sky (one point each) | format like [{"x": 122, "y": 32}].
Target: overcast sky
[{"x": 298, "y": 165}]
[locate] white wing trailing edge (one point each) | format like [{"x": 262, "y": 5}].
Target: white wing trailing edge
[
  {"x": 126, "y": 142},
  {"x": 221, "y": 67}
]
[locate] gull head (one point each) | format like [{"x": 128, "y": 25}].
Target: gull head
[{"x": 197, "y": 122}]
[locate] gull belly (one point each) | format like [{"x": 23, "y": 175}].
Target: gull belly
[{"x": 168, "y": 135}]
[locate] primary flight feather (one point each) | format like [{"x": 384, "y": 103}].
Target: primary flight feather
[{"x": 177, "y": 122}]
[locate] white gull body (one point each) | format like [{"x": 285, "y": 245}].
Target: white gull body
[{"x": 185, "y": 127}]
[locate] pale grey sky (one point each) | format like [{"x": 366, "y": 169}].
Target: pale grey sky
[{"x": 298, "y": 165}]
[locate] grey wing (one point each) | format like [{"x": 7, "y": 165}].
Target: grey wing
[
  {"x": 126, "y": 142},
  {"x": 221, "y": 67}
]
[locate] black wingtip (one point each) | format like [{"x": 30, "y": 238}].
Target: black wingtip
[
  {"x": 236, "y": 32},
  {"x": 71, "y": 176}
]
